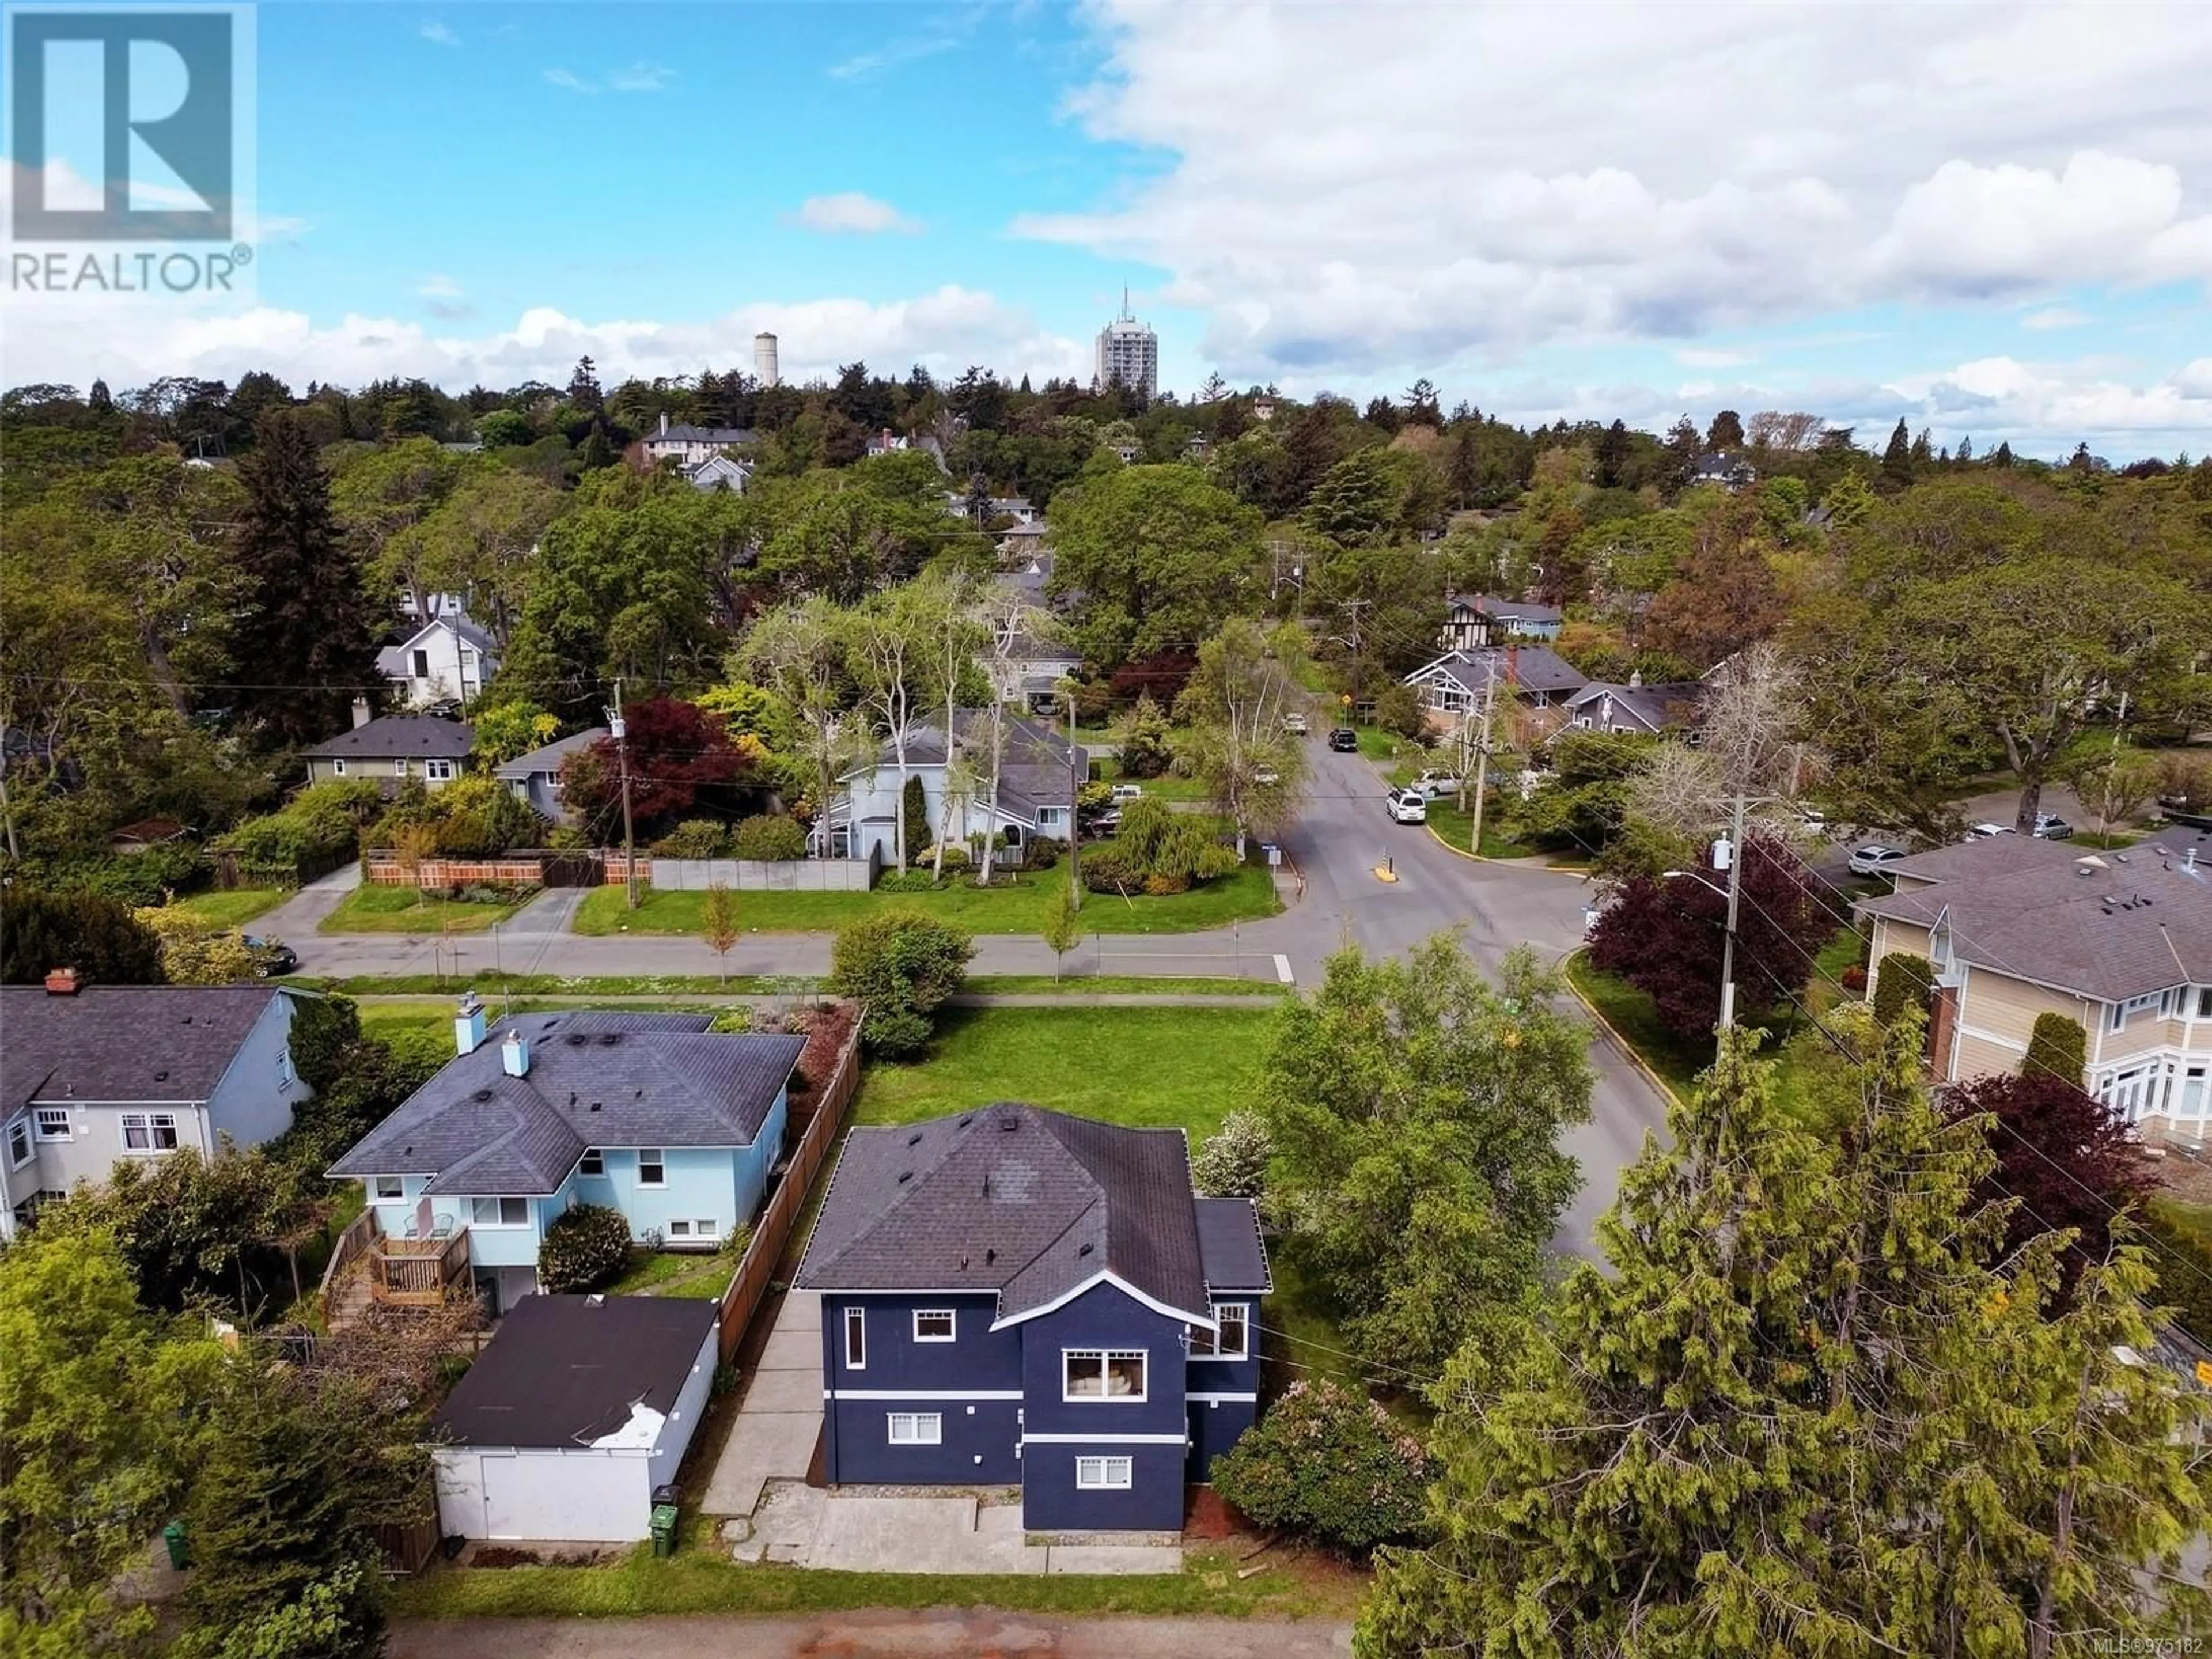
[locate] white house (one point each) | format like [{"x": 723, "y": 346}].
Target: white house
[
  {"x": 719, "y": 471},
  {"x": 1037, "y": 785},
  {"x": 447, "y": 659},
  {"x": 576, "y": 1410},
  {"x": 1532, "y": 678},
  {"x": 688, "y": 445}
]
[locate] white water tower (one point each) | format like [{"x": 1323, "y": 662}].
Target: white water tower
[{"x": 765, "y": 359}]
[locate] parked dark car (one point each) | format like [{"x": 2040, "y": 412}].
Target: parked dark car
[
  {"x": 1344, "y": 740},
  {"x": 271, "y": 957}
]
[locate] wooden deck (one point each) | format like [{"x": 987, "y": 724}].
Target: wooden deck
[{"x": 418, "y": 1273}]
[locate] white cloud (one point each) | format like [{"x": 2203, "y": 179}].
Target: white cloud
[
  {"x": 443, "y": 298},
  {"x": 867, "y": 64},
  {"x": 641, "y": 77},
  {"x": 1457, "y": 187},
  {"x": 2056, "y": 317},
  {"x": 1701, "y": 357},
  {"x": 850, "y": 210},
  {"x": 439, "y": 35},
  {"x": 570, "y": 80}
]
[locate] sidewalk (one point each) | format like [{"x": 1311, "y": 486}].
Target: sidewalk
[{"x": 780, "y": 1418}]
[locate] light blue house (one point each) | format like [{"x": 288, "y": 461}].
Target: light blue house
[{"x": 655, "y": 1116}]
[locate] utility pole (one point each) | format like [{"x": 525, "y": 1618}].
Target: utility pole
[
  {"x": 1358, "y": 664},
  {"x": 1481, "y": 763},
  {"x": 1074, "y": 789},
  {"x": 1734, "y": 896},
  {"x": 620, "y": 728}
]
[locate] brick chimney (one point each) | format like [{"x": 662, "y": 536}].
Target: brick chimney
[{"x": 62, "y": 981}]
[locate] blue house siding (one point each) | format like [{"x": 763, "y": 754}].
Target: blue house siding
[
  {"x": 981, "y": 1437},
  {"x": 1215, "y": 1421},
  {"x": 1154, "y": 1431},
  {"x": 1051, "y": 1501}
]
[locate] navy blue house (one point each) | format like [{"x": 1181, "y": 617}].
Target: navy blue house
[{"x": 1016, "y": 1296}]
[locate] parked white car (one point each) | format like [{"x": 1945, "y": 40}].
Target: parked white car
[
  {"x": 1872, "y": 858},
  {"x": 1435, "y": 782},
  {"x": 1407, "y": 806},
  {"x": 1295, "y": 725},
  {"x": 1988, "y": 831},
  {"x": 1128, "y": 791}
]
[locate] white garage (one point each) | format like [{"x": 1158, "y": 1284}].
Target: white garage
[{"x": 573, "y": 1414}]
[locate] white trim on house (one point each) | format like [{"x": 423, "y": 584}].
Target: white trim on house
[
  {"x": 919, "y": 1394},
  {"x": 950, "y": 1316},
  {"x": 856, "y": 1324},
  {"x": 1112, "y": 1473},
  {"x": 923, "y": 1428},
  {"x": 1220, "y": 1398},
  {"x": 1106, "y": 1439},
  {"x": 1106, "y": 1356},
  {"x": 1105, "y": 1277}
]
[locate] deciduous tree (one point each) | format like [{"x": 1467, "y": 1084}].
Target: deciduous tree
[{"x": 1153, "y": 558}]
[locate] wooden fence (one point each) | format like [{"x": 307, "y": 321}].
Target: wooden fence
[
  {"x": 359, "y": 1237},
  {"x": 385, "y": 869},
  {"x": 772, "y": 1232}
]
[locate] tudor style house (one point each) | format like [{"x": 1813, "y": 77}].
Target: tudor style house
[
  {"x": 91, "y": 1075},
  {"x": 657, "y": 1115},
  {"x": 1013, "y": 1296},
  {"x": 1034, "y": 799},
  {"x": 1474, "y": 620},
  {"x": 1536, "y": 679},
  {"x": 2118, "y": 941},
  {"x": 393, "y": 749}
]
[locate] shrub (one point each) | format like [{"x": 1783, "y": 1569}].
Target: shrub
[
  {"x": 587, "y": 1245},
  {"x": 770, "y": 838},
  {"x": 956, "y": 858},
  {"x": 1398, "y": 711},
  {"x": 2183, "y": 1257},
  {"x": 2057, "y": 1046},
  {"x": 1161, "y": 886},
  {"x": 733, "y": 1019},
  {"x": 694, "y": 838},
  {"x": 136, "y": 879},
  {"x": 1901, "y": 980},
  {"x": 97, "y": 936},
  {"x": 914, "y": 812},
  {"x": 1144, "y": 734},
  {"x": 908, "y": 881},
  {"x": 1329, "y": 1466},
  {"x": 323, "y": 821},
  {"x": 900, "y": 965},
  {"x": 195, "y": 951},
  {"x": 1854, "y": 981},
  {"x": 1042, "y": 855},
  {"x": 1232, "y": 1163}
]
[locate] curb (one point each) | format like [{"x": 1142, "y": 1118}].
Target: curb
[
  {"x": 1506, "y": 864},
  {"x": 1627, "y": 1049}
]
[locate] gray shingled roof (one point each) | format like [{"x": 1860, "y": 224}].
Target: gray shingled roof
[
  {"x": 1034, "y": 771},
  {"x": 1980, "y": 859},
  {"x": 397, "y": 736},
  {"x": 564, "y": 1370},
  {"x": 595, "y": 1080},
  {"x": 122, "y": 1043},
  {"x": 1228, "y": 1241},
  {"x": 1654, "y": 707},
  {"x": 1533, "y": 668},
  {"x": 2110, "y": 925},
  {"x": 1489, "y": 604},
  {"x": 685, "y": 432},
  {"x": 1014, "y": 1199},
  {"x": 551, "y": 758}
]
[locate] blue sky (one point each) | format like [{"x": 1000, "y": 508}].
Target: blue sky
[{"x": 1996, "y": 224}]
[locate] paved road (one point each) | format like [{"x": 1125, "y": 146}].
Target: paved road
[{"x": 937, "y": 1633}]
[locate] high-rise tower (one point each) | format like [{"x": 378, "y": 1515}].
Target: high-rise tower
[{"x": 1129, "y": 353}]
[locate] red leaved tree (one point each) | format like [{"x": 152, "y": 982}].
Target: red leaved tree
[
  {"x": 1664, "y": 935},
  {"x": 683, "y": 764}
]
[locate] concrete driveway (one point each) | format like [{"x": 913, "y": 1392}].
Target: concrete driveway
[
  {"x": 780, "y": 1417},
  {"x": 936, "y": 1633}
]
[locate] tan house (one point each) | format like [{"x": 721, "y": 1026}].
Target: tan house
[{"x": 2120, "y": 942}]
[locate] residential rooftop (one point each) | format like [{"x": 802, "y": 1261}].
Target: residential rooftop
[
  {"x": 578, "y": 1370},
  {"x": 134, "y": 1043}
]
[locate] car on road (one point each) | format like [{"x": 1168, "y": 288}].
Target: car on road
[
  {"x": 1344, "y": 740},
  {"x": 2049, "y": 826},
  {"x": 271, "y": 957},
  {"x": 1407, "y": 806},
  {"x": 1433, "y": 783},
  {"x": 1295, "y": 725},
  {"x": 1989, "y": 830},
  {"x": 1872, "y": 858}
]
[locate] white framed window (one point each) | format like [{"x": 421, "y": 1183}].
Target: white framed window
[
  {"x": 933, "y": 1325},
  {"x": 500, "y": 1211},
  {"x": 2124, "y": 1012},
  {"x": 437, "y": 771},
  {"x": 389, "y": 1187},
  {"x": 680, "y": 1230},
  {"x": 652, "y": 1168},
  {"x": 284, "y": 1072},
  {"x": 20, "y": 1150},
  {"x": 917, "y": 1428},
  {"x": 594, "y": 1163},
  {"x": 1234, "y": 1340},
  {"x": 1104, "y": 1473},
  {"x": 2204, "y": 1002},
  {"x": 1102, "y": 1374},
  {"x": 53, "y": 1123},
  {"x": 856, "y": 1340},
  {"x": 149, "y": 1132},
  {"x": 337, "y": 768},
  {"x": 708, "y": 1229}
]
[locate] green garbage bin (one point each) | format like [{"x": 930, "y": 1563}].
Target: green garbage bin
[
  {"x": 664, "y": 1528},
  {"x": 180, "y": 1555}
]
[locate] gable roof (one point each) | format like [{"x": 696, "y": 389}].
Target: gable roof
[
  {"x": 1033, "y": 772},
  {"x": 1652, "y": 707},
  {"x": 1980, "y": 859},
  {"x": 552, "y": 756},
  {"x": 568, "y": 1371},
  {"x": 1033, "y": 1205},
  {"x": 1488, "y": 604},
  {"x": 1529, "y": 667},
  {"x": 134, "y": 1043},
  {"x": 2108, "y": 926},
  {"x": 686, "y": 434},
  {"x": 396, "y": 737},
  {"x": 594, "y": 1079}
]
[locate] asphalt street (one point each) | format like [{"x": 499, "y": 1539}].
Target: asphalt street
[{"x": 1341, "y": 839}]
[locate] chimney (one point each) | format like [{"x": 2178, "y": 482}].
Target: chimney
[
  {"x": 61, "y": 981},
  {"x": 1635, "y": 679},
  {"x": 515, "y": 1054},
  {"x": 664, "y": 423},
  {"x": 469, "y": 1026},
  {"x": 360, "y": 714}
]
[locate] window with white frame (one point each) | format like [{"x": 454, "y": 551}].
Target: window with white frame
[
  {"x": 499, "y": 1211},
  {"x": 1102, "y": 1374},
  {"x": 2204, "y": 1002},
  {"x": 390, "y": 1187},
  {"x": 693, "y": 1228},
  {"x": 594, "y": 1163},
  {"x": 439, "y": 771},
  {"x": 149, "y": 1132},
  {"x": 652, "y": 1169},
  {"x": 1104, "y": 1473},
  {"x": 20, "y": 1150},
  {"x": 53, "y": 1122},
  {"x": 1233, "y": 1342},
  {"x": 284, "y": 1072},
  {"x": 2122, "y": 1012},
  {"x": 337, "y": 768},
  {"x": 932, "y": 1325},
  {"x": 917, "y": 1428},
  {"x": 856, "y": 1340}
]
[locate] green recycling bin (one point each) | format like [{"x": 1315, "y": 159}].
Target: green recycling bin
[
  {"x": 664, "y": 1528},
  {"x": 180, "y": 1554}
]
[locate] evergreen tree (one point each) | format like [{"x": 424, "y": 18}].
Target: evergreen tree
[
  {"x": 2003, "y": 457},
  {"x": 2057, "y": 1046},
  {"x": 1804, "y": 1414},
  {"x": 307, "y": 646},
  {"x": 1897, "y": 456},
  {"x": 101, "y": 400},
  {"x": 584, "y": 387},
  {"x": 98, "y": 936},
  {"x": 1966, "y": 451},
  {"x": 1611, "y": 454},
  {"x": 1923, "y": 454},
  {"x": 1726, "y": 431}
]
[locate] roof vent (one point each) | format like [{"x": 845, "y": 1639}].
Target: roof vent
[
  {"x": 160, "y": 1077},
  {"x": 608, "y": 1039},
  {"x": 481, "y": 1094},
  {"x": 1085, "y": 1249},
  {"x": 967, "y": 1120},
  {"x": 915, "y": 1140},
  {"x": 1009, "y": 1120},
  {"x": 595, "y": 1105},
  {"x": 905, "y": 1176},
  {"x": 577, "y": 1039},
  {"x": 989, "y": 1257}
]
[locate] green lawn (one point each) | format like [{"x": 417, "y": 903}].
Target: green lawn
[
  {"x": 1630, "y": 1012},
  {"x": 1079, "y": 985},
  {"x": 701, "y": 1578},
  {"x": 375, "y": 909},
  {"x": 1016, "y": 908},
  {"x": 1454, "y": 827},
  {"x": 687, "y": 1276},
  {"x": 577, "y": 989},
  {"x": 233, "y": 907},
  {"x": 1385, "y": 748},
  {"x": 1167, "y": 786},
  {"x": 1184, "y": 1067}
]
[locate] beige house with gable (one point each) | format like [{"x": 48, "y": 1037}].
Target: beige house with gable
[{"x": 2118, "y": 941}]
